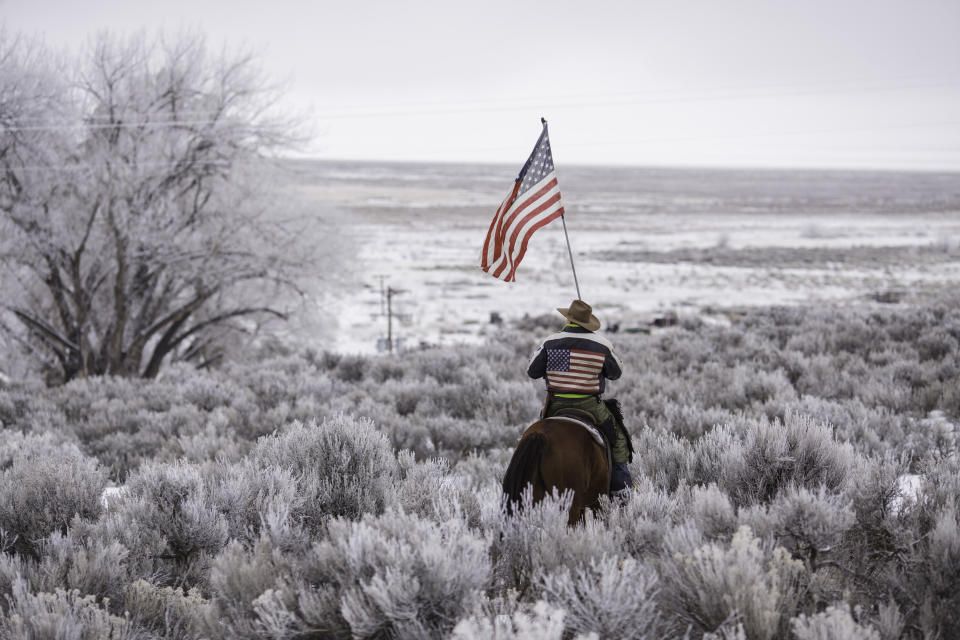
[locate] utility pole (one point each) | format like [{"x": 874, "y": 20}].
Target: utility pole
[
  {"x": 382, "y": 294},
  {"x": 390, "y": 293}
]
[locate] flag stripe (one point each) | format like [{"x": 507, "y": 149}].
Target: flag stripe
[
  {"x": 564, "y": 386},
  {"x": 507, "y": 204},
  {"x": 578, "y": 374},
  {"x": 514, "y": 222},
  {"x": 487, "y": 256},
  {"x": 577, "y": 353},
  {"x": 566, "y": 377},
  {"x": 533, "y": 202},
  {"x": 505, "y": 218},
  {"x": 538, "y": 219},
  {"x": 543, "y": 188},
  {"x": 553, "y": 214},
  {"x": 518, "y": 224},
  {"x": 585, "y": 371}
]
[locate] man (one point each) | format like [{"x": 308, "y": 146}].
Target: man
[{"x": 576, "y": 363}]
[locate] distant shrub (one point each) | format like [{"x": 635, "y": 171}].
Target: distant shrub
[
  {"x": 811, "y": 524},
  {"x": 17, "y": 445},
  {"x": 242, "y": 581},
  {"x": 796, "y": 452},
  {"x": 343, "y": 466},
  {"x": 935, "y": 343},
  {"x": 384, "y": 369},
  {"x": 216, "y": 441},
  {"x": 169, "y": 503},
  {"x": 662, "y": 457},
  {"x": 257, "y": 501},
  {"x": 61, "y": 614},
  {"x": 642, "y": 523},
  {"x": 87, "y": 566},
  {"x": 167, "y": 612},
  {"x": 835, "y": 623},
  {"x": 691, "y": 421},
  {"x": 874, "y": 493},
  {"x": 717, "y": 456},
  {"x": 44, "y": 488},
  {"x": 933, "y": 438},
  {"x": 428, "y": 489},
  {"x": 351, "y": 368},
  {"x": 713, "y": 512}
]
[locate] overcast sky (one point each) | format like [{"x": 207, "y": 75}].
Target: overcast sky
[{"x": 739, "y": 83}]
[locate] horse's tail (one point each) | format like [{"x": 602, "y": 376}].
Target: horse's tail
[{"x": 523, "y": 464}]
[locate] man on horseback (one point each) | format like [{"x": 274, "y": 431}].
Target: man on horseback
[{"x": 576, "y": 362}]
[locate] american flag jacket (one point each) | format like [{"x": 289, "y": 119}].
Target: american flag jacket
[{"x": 575, "y": 361}]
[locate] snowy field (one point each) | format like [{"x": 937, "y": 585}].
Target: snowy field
[{"x": 645, "y": 241}]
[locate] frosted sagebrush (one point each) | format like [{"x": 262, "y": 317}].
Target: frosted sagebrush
[
  {"x": 43, "y": 489},
  {"x": 811, "y": 524},
  {"x": 239, "y": 577},
  {"x": 84, "y": 565},
  {"x": 835, "y": 623},
  {"x": 394, "y": 575},
  {"x": 538, "y": 622},
  {"x": 613, "y": 597},
  {"x": 168, "y": 520},
  {"x": 429, "y": 490},
  {"x": 777, "y": 455},
  {"x": 713, "y": 512},
  {"x": 706, "y": 585},
  {"x": 642, "y": 523},
  {"x": 344, "y": 466},
  {"x": 536, "y": 540},
  {"x": 166, "y": 612},
  {"x": 61, "y": 614},
  {"x": 257, "y": 501}
]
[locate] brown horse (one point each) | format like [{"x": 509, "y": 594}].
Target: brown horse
[{"x": 558, "y": 453}]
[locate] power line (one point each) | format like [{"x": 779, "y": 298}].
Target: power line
[
  {"x": 80, "y": 165},
  {"x": 477, "y": 108},
  {"x": 149, "y": 124},
  {"x": 872, "y": 84}
]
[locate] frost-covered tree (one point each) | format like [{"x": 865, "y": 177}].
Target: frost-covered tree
[{"x": 133, "y": 227}]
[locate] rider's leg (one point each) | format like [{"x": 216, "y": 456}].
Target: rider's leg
[{"x": 620, "y": 481}]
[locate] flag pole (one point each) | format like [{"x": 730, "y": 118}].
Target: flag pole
[
  {"x": 567, "y": 236},
  {"x": 570, "y": 252}
]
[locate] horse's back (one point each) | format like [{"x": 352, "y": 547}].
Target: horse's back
[{"x": 568, "y": 459}]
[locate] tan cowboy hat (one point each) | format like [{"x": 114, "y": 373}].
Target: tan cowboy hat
[{"x": 579, "y": 312}]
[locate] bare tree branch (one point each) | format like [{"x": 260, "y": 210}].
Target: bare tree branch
[{"x": 113, "y": 254}]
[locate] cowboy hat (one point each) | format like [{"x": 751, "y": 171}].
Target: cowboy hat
[{"x": 579, "y": 312}]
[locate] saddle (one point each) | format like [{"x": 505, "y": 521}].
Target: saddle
[
  {"x": 585, "y": 419},
  {"x": 587, "y": 422},
  {"x": 606, "y": 430}
]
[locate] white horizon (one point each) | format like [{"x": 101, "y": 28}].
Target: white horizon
[{"x": 819, "y": 85}]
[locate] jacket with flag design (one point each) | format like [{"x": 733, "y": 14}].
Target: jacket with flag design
[{"x": 575, "y": 361}]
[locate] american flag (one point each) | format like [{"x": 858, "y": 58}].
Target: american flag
[
  {"x": 574, "y": 370},
  {"x": 533, "y": 203}
]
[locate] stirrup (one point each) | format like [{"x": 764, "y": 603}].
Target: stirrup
[{"x": 622, "y": 495}]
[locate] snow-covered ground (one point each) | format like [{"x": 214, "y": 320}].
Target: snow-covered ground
[{"x": 421, "y": 227}]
